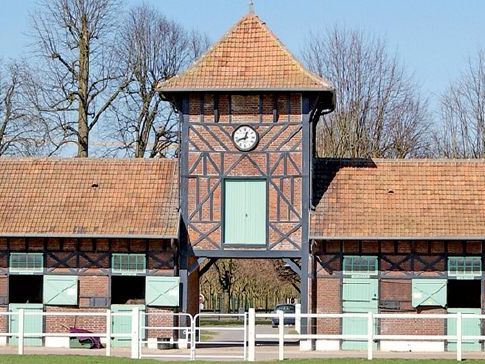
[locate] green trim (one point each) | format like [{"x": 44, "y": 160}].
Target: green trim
[
  {"x": 128, "y": 264},
  {"x": 359, "y": 265},
  {"x": 60, "y": 290},
  {"x": 26, "y": 263},
  {"x": 245, "y": 212},
  {"x": 429, "y": 292},
  {"x": 465, "y": 267}
]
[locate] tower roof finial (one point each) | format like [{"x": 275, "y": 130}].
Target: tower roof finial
[{"x": 251, "y": 6}]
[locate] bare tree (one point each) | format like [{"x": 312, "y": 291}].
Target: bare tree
[
  {"x": 379, "y": 111},
  {"x": 80, "y": 78},
  {"x": 19, "y": 133},
  {"x": 462, "y": 114},
  {"x": 153, "y": 49}
]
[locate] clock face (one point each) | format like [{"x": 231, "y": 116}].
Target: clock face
[{"x": 245, "y": 138}]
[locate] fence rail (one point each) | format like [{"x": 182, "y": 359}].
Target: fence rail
[{"x": 187, "y": 332}]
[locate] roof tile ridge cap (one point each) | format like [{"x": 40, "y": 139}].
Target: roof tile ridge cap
[
  {"x": 203, "y": 56},
  {"x": 316, "y": 78}
]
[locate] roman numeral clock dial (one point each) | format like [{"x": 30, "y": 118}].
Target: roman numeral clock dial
[{"x": 245, "y": 138}]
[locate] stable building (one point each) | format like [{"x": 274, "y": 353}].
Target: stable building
[
  {"x": 364, "y": 235},
  {"x": 86, "y": 234}
]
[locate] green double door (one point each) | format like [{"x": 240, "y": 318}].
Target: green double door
[
  {"x": 360, "y": 295},
  {"x": 470, "y": 327},
  {"x": 122, "y": 324},
  {"x": 32, "y": 323},
  {"x": 245, "y": 211}
]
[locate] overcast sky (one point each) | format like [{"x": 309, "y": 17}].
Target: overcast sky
[{"x": 432, "y": 37}]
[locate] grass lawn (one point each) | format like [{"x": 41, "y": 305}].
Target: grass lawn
[{"x": 77, "y": 359}]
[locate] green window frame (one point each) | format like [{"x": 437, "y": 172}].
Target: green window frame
[
  {"x": 26, "y": 263},
  {"x": 128, "y": 264},
  {"x": 360, "y": 265},
  {"x": 465, "y": 267},
  {"x": 60, "y": 290}
]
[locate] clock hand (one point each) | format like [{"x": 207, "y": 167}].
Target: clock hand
[{"x": 243, "y": 138}]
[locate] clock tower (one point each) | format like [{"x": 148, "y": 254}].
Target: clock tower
[{"x": 247, "y": 112}]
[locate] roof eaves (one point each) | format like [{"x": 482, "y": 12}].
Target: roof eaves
[
  {"x": 393, "y": 237},
  {"x": 214, "y": 89},
  {"x": 90, "y": 236}
]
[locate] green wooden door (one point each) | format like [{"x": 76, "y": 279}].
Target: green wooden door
[
  {"x": 32, "y": 323},
  {"x": 359, "y": 295},
  {"x": 470, "y": 327},
  {"x": 245, "y": 211},
  {"x": 122, "y": 324}
]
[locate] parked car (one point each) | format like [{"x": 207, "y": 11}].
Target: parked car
[{"x": 286, "y": 308}]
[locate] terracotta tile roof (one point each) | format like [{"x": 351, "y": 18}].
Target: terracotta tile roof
[
  {"x": 248, "y": 57},
  {"x": 399, "y": 199},
  {"x": 88, "y": 197}
]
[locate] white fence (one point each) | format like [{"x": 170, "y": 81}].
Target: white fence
[{"x": 188, "y": 334}]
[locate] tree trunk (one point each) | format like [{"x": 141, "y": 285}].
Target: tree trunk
[
  {"x": 83, "y": 82},
  {"x": 226, "y": 296}
]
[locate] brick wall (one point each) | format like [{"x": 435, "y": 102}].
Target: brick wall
[
  {"x": 3, "y": 287},
  {"x": 156, "y": 318},
  {"x": 59, "y": 323},
  {"x": 3, "y": 319},
  {"x": 328, "y": 300},
  {"x": 212, "y": 152},
  {"x": 93, "y": 286}
]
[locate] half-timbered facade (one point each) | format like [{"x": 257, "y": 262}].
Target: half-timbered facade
[
  {"x": 246, "y": 110},
  {"x": 364, "y": 235}
]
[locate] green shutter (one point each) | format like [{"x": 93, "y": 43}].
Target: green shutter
[
  {"x": 128, "y": 264},
  {"x": 60, "y": 290},
  {"x": 245, "y": 211},
  {"x": 26, "y": 263},
  {"x": 162, "y": 291},
  {"x": 465, "y": 267},
  {"x": 429, "y": 292}
]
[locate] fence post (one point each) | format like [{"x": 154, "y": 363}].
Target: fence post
[
  {"x": 298, "y": 318},
  {"x": 20, "y": 331},
  {"x": 193, "y": 335},
  {"x": 459, "y": 336},
  {"x": 252, "y": 335},
  {"x": 108, "y": 332},
  {"x": 370, "y": 335},
  {"x": 281, "y": 335},
  {"x": 135, "y": 333}
]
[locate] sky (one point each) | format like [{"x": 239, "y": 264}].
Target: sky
[{"x": 433, "y": 38}]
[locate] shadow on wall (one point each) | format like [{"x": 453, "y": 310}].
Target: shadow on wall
[{"x": 325, "y": 169}]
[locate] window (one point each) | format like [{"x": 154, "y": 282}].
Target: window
[
  {"x": 26, "y": 263},
  {"x": 245, "y": 211},
  {"x": 465, "y": 267},
  {"x": 128, "y": 264},
  {"x": 360, "y": 265}
]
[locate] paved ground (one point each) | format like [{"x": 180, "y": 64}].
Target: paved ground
[
  {"x": 228, "y": 334},
  {"x": 266, "y": 352}
]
